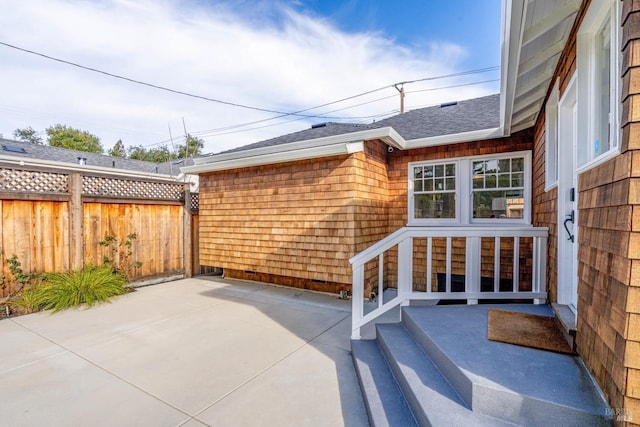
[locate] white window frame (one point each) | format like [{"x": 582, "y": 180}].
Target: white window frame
[
  {"x": 600, "y": 11},
  {"x": 464, "y": 192},
  {"x": 551, "y": 139}
]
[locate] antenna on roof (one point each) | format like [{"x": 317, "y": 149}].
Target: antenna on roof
[
  {"x": 401, "y": 90},
  {"x": 173, "y": 148}
]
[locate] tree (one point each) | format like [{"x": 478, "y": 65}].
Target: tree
[
  {"x": 157, "y": 155},
  {"x": 118, "y": 150},
  {"x": 73, "y": 139},
  {"x": 192, "y": 147},
  {"x": 28, "y": 134}
]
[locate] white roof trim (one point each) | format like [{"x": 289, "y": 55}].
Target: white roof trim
[
  {"x": 328, "y": 146},
  {"x": 386, "y": 134},
  {"x": 276, "y": 157},
  {"x": 69, "y": 167},
  {"x": 455, "y": 138},
  {"x": 513, "y": 12}
]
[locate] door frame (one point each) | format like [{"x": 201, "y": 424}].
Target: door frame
[{"x": 567, "y": 251}]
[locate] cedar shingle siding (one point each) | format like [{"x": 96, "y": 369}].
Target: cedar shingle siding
[{"x": 608, "y": 320}]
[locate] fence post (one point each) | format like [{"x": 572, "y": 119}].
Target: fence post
[
  {"x": 187, "y": 245},
  {"x": 76, "y": 235}
]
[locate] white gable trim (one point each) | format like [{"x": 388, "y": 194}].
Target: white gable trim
[{"x": 328, "y": 146}]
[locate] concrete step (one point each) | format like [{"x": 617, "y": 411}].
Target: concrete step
[
  {"x": 521, "y": 385},
  {"x": 386, "y": 406},
  {"x": 429, "y": 395}
]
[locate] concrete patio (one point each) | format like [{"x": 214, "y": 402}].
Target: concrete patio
[{"x": 193, "y": 352}]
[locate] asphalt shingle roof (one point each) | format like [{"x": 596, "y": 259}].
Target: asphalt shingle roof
[
  {"x": 445, "y": 119},
  {"x": 315, "y": 132},
  {"x": 46, "y": 152}
]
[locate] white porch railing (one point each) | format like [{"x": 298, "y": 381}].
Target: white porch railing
[{"x": 403, "y": 239}]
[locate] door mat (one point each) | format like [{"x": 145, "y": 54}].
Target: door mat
[{"x": 528, "y": 330}]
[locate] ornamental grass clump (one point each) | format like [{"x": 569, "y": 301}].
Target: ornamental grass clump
[{"x": 91, "y": 285}]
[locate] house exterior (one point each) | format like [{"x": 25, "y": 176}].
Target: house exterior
[{"x": 558, "y": 151}]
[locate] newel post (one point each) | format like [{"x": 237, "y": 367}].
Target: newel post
[
  {"x": 76, "y": 215},
  {"x": 405, "y": 269}
]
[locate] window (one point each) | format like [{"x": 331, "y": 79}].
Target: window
[
  {"x": 435, "y": 190},
  {"x": 468, "y": 190},
  {"x": 498, "y": 188},
  {"x": 598, "y": 68},
  {"x": 551, "y": 139}
]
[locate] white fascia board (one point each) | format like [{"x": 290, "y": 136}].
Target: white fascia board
[
  {"x": 513, "y": 14},
  {"x": 69, "y": 167},
  {"x": 300, "y": 150},
  {"x": 476, "y": 135},
  {"x": 387, "y": 134},
  {"x": 278, "y": 157}
]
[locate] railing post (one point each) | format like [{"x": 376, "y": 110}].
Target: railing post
[
  {"x": 405, "y": 269},
  {"x": 472, "y": 267},
  {"x": 539, "y": 267},
  {"x": 357, "y": 300}
]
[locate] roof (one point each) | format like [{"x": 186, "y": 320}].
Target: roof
[
  {"x": 534, "y": 34},
  {"x": 468, "y": 120},
  {"x": 446, "y": 119},
  {"x": 27, "y": 150},
  {"x": 314, "y": 132}
]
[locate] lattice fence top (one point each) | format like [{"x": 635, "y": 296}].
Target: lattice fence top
[
  {"x": 195, "y": 202},
  {"x": 28, "y": 181},
  {"x": 133, "y": 189}
]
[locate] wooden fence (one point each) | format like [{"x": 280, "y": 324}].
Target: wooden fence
[{"x": 54, "y": 220}]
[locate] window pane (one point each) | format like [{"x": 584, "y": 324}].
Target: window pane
[
  {"x": 441, "y": 205},
  {"x": 439, "y": 184},
  {"x": 517, "y": 180},
  {"x": 490, "y": 181},
  {"x": 478, "y": 168},
  {"x": 504, "y": 165},
  {"x": 428, "y": 185},
  {"x": 603, "y": 90},
  {"x": 417, "y": 185},
  {"x": 428, "y": 171},
  {"x": 517, "y": 165},
  {"x": 451, "y": 170},
  {"x": 450, "y": 183},
  {"x": 498, "y": 204},
  {"x": 491, "y": 166},
  {"x": 478, "y": 181},
  {"x": 504, "y": 180},
  {"x": 417, "y": 173},
  {"x": 439, "y": 170}
]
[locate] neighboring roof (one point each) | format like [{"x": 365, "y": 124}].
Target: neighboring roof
[
  {"x": 26, "y": 150},
  {"x": 534, "y": 34},
  {"x": 468, "y": 120},
  {"x": 446, "y": 119}
]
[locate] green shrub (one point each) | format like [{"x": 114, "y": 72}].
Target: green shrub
[
  {"x": 91, "y": 285},
  {"x": 28, "y": 300}
]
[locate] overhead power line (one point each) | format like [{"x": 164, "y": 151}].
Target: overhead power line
[
  {"x": 279, "y": 114},
  {"x": 179, "y": 92},
  {"x": 235, "y": 104}
]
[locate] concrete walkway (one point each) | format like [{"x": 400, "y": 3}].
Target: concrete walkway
[{"x": 193, "y": 352}]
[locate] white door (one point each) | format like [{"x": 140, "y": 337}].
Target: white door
[{"x": 567, "y": 200}]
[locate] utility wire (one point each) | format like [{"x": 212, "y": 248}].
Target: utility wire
[
  {"x": 179, "y": 92},
  {"x": 280, "y": 114}
]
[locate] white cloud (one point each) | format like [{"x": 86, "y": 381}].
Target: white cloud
[{"x": 287, "y": 62}]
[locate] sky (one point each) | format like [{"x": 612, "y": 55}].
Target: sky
[{"x": 242, "y": 67}]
